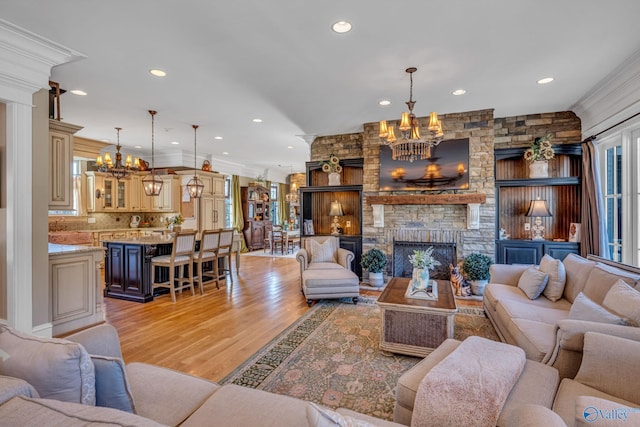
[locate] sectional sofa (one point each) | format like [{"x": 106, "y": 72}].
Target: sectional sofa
[{"x": 548, "y": 319}]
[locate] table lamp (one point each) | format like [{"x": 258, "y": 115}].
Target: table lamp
[
  {"x": 538, "y": 209},
  {"x": 335, "y": 212}
]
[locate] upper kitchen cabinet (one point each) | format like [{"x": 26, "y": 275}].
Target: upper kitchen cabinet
[
  {"x": 60, "y": 164},
  {"x": 106, "y": 194},
  {"x": 169, "y": 198}
]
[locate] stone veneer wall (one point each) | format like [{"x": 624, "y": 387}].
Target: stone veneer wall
[{"x": 447, "y": 222}]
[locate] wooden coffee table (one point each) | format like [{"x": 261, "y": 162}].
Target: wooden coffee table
[{"x": 415, "y": 326}]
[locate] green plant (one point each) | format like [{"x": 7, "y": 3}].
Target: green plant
[
  {"x": 177, "y": 220},
  {"x": 476, "y": 266},
  {"x": 333, "y": 165},
  {"x": 374, "y": 260},
  {"x": 424, "y": 259},
  {"x": 540, "y": 149}
]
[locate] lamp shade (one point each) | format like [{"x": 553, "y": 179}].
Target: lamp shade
[
  {"x": 336, "y": 209},
  {"x": 538, "y": 208}
]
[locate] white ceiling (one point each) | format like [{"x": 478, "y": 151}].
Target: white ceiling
[{"x": 230, "y": 62}]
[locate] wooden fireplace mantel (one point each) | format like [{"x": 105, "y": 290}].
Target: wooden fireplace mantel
[{"x": 428, "y": 199}]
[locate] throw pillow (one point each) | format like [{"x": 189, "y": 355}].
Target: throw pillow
[
  {"x": 585, "y": 309},
  {"x": 557, "y": 277},
  {"x": 623, "y": 300},
  {"x": 323, "y": 417},
  {"x": 532, "y": 282},
  {"x": 323, "y": 252},
  {"x": 112, "y": 385},
  {"x": 58, "y": 369}
]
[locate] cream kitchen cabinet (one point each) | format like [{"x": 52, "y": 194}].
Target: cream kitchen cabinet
[
  {"x": 138, "y": 200},
  {"x": 213, "y": 182},
  {"x": 106, "y": 194},
  {"x": 60, "y": 164},
  {"x": 169, "y": 198},
  {"x": 212, "y": 212}
]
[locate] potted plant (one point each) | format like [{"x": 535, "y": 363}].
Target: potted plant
[
  {"x": 374, "y": 261},
  {"x": 538, "y": 154},
  {"x": 476, "y": 269},
  {"x": 422, "y": 262},
  {"x": 176, "y": 223}
]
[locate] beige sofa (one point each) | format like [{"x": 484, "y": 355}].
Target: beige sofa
[
  {"x": 83, "y": 379},
  {"x": 543, "y": 328}
]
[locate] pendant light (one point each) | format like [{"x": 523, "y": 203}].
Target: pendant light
[
  {"x": 195, "y": 185},
  {"x": 151, "y": 183}
]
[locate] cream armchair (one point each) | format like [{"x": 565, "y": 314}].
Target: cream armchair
[{"x": 325, "y": 269}]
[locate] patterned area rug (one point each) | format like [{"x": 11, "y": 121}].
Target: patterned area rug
[{"x": 330, "y": 356}]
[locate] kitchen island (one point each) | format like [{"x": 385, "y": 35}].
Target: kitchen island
[{"x": 127, "y": 262}]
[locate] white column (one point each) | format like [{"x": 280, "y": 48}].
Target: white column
[{"x": 19, "y": 216}]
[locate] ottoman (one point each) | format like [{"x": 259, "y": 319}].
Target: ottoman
[{"x": 329, "y": 280}]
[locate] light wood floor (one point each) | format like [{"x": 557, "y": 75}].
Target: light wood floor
[{"x": 210, "y": 335}]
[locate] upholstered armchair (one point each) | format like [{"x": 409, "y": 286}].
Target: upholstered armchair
[
  {"x": 320, "y": 251},
  {"x": 325, "y": 269}
]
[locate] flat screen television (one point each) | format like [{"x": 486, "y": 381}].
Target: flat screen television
[{"x": 446, "y": 169}]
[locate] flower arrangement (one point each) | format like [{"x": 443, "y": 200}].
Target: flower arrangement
[
  {"x": 177, "y": 220},
  {"x": 333, "y": 165},
  {"x": 540, "y": 149},
  {"x": 424, "y": 259}
]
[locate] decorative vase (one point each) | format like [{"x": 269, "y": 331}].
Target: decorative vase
[
  {"x": 539, "y": 169},
  {"x": 334, "y": 178},
  {"x": 376, "y": 279},
  {"x": 420, "y": 278},
  {"x": 477, "y": 286}
]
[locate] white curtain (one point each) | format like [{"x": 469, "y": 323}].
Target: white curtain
[{"x": 78, "y": 199}]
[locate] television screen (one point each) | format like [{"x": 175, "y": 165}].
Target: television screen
[{"x": 446, "y": 169}]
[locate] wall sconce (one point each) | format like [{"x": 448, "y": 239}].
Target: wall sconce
[
  {"x": 335, "y": 212},
  {"x": 538, "y": 209}
]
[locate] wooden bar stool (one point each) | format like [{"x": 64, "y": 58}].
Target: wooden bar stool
[
  {"x": 224, "y": 251},
  {"x": 184, "y": 244},
  {"x": 207, "y": 253}
]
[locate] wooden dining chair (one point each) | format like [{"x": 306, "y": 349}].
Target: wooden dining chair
[
  {"x": 277, "y": 239},
  {"x": 184, "y": 244},
  {"x": 224, "y": 251},
  {"x": 207, "y": 255}
]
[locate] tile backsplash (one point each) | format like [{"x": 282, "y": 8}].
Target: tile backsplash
[{"x": 107, "y": 221}]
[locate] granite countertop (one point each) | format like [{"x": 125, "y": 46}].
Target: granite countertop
[
  {"x": 55, "y": 249},
  {"x": 150, "y": 240}
]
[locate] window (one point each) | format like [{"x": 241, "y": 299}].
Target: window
[
  {"x": 228, "y": 203},
  {"x": 619, "y": 157},
  {"x": 275, "y": 208}
]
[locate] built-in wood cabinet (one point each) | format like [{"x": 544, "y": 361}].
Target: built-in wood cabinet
[
  {"x": 138, "y": 200},
  {"x": 209, "y": 210},
  {"x": 257, "y": 215},
  {"x": 60, "y": 164},
  {"x": 316, "y": 199},
  {"x": 514, "y": 193}
]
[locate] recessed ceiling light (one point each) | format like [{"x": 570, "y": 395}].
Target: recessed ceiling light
[
  {"x": 290, "y": 146},
  {"x": 105, "y": 140},
  {"x": 385, "y": 102},
  {"x": 175, "y": 143},
  {"x": 157, "y": 73},
  {"x": 459, "y": 92},
  {"x": 257, "y": 120},
  {"x": 217, "y": 137},
  {"x": 226, "y": 153},
  {"x": 341, "y": 27},
  {"x": 545, "y": 80},
  {"x": 79, "y": 92},
  {"x": 138, "y": 146}
]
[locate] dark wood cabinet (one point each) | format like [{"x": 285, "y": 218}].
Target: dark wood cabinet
[
  {"x": 514, "y": 193},
  {"x": 256, "y": 210},
  {"x": 316, "y": 199}
]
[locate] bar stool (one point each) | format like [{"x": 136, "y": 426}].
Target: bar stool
[
  {"x": 224, "y": 250},
  {"x": 184, "y": 244},
  {"x": 208, "y": 253}
]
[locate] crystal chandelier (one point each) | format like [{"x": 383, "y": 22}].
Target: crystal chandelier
[
  {"x": 411, "y": 145},
  {"x": 151, "y": 183},
  {"x": 117, "y": 170},
  {"x": 195, "y": 185},
  {"x": 292, "y": 196}
]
